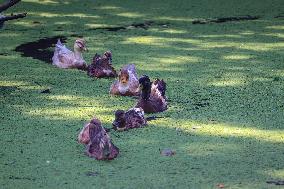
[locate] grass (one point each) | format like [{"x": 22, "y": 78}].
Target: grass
[{"x": 225, "y": 85}]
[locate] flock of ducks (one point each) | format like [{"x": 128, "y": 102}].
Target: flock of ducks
[{"x": 151, "y": 97}]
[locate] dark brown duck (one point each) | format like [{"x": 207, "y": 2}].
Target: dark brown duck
[
  {"x": 99, "y": 144},
  {"x": 152, "y": 98},
  {"x": 101, "y": 66},
  {"x": 133, "y": 118}
]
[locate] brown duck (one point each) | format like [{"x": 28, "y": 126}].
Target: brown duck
[
  {"x": 133, "y": 118},
  {"x": 152, "y": 98},
  {"x": 99, "y": 144},
  {"x": 102, "y": 66},
  {"x": 127, "y": 83}
]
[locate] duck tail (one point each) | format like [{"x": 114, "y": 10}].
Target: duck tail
[
  {"x": 131, "y": 68},
  {"x": 161, "y": 86},
  {"x": 58, "y": 45}
]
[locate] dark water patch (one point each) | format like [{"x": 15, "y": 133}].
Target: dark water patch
[
  {"x": 150, "y": 118},
  {"x": 76, "y": 35},
  {"x": 21, "y": 178},
  {"x": 225, "y": 19},
  {"x": 276, "y": 78},
  {"x": 145, "y": 25},
  {"x": 276, "y": 182},
  {"x": 201, "y": 104},
  {"x": 4, "y": 54},
  {"x": 92, "y": 174},
  {"x": 7, "y": 90},
  {"x": 281, "y": 15},
  {"x": 36, "y": 22},
  {"x": 45, "y": 91},
  {"x": 40, "y": 49}
]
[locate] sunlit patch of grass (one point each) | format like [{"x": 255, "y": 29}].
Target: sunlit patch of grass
[
  {"x": 158, "y": 41},
  {"x": 228, "y": 82},
  {"x": 148, "y": 40},
  {"x": 247, "y": 33},
  {"x": 14, "y": 83},
  {"x": 51, "y": 15},
  {"x": 45, "y": 2},
  {"x": 107, "y": 7},
  {"x": 62, "y": 113},
  {"x": 231, "y": 130},
  {"x": 223, "y": 36},
  {"x": 279, "y": 27},
  {"x": 280, "y": 35},
  {"x": 168, "y": 18},
  {"x": 170, "y": 31},
  {"x": 261, "y": 46},
  {"x": 95, "y": 25},
  {"x": 9, "y": 34},
  {"x": 130, "y": 14},
  {"x": 167, "y": 63},
  {"x": 237, "y": 57},
  {"x": 275, "y": 173}
]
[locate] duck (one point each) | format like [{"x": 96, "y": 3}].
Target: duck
[
  {"x": 99, "y": 144},
  {"x": 101, "y": 66},
  {"x": 65, "y": 58},
  {"x": 133, "y": 118},
  {"x": 152, "y": 98},
  {"x": 127, "y": 83}
]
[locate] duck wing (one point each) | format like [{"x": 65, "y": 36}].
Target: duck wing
[
  {"x": 101, "y": 146},
  {"x": 131, "y": 69},
  {"x": 61, "y": 49},
  {"x": 63, "y": 57},
  {"x": 135, "y": 118}
]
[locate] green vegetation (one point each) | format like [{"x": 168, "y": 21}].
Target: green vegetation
[{"x": 225, "y": 85}]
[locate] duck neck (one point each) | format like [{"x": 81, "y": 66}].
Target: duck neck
[
  {"x": 78, "y": 54},
  {"x": 146, "y": 92}
]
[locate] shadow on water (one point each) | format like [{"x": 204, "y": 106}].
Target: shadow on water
[{"x": 40, "y": 49}]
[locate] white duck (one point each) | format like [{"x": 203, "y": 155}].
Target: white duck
[{"x": 64, "y": 58}]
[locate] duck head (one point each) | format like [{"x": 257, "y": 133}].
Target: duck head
[
  {"x": 95, "y": 128},
  {"x": 96, "y": 121},
  {"x": 145, "y": 86},
  {"x": 80, "y": 45},
  {"x": 84, "y": 135},
  {"x": 108, "y": 56},
  {"x": 119, "y": 122},
  {"x": 123, "y": 77}
]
